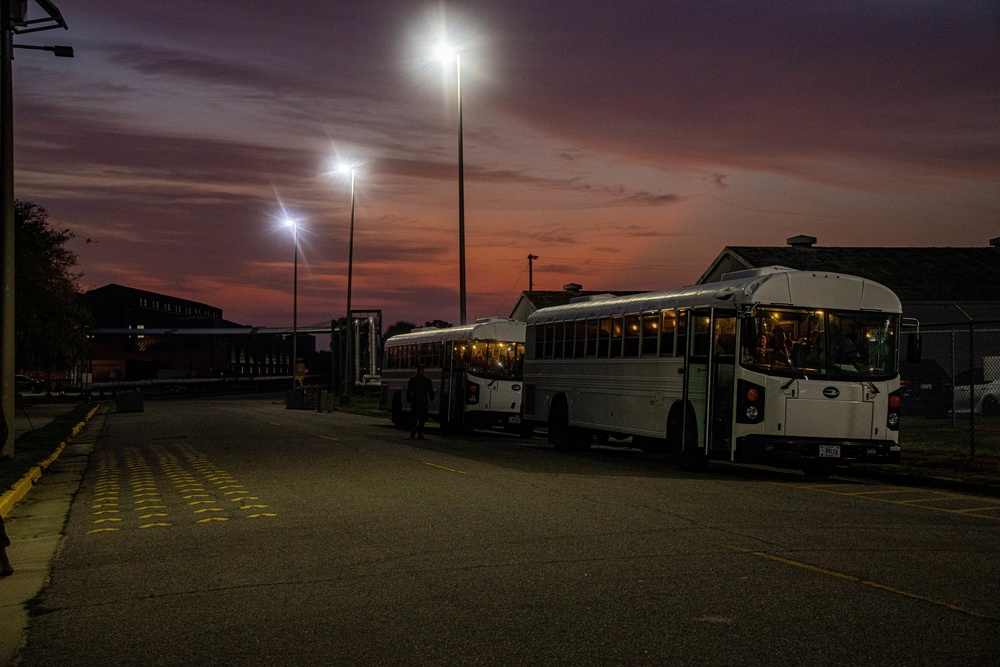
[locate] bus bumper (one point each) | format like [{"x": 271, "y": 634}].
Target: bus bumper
[{"x": 797, "y": 451}]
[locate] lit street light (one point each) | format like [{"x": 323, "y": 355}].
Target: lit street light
[
  {"x": 447, "y": 55},
  {"x": 349, "y": 359},
  {"x": 295, "y": 301}
]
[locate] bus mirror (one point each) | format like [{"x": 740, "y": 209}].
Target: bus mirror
[{"x": 913, "y": 347}]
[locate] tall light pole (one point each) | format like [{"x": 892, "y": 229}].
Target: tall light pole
[
  {"x": 446, "y": 55},
  {"x": 348, "y": 362},
  {"x": 13, "y": 20},
  {"x": 295, "y": 302},
  {"x": 531, "y": 275}
]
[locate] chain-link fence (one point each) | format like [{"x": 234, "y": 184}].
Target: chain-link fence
[{"x": 951, "y": 396}]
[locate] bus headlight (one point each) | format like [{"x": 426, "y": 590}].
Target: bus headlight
[
  {"x": 749, "y": 402},
  {"x": 472, "y": 394},
  {"x": 895, "y": 402}
]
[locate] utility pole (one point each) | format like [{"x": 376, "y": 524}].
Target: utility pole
[
  {"x": 13, "y": 20},
  {"x": 531, "y": 278}
]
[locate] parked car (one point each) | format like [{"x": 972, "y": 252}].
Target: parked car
[
  {"x": 27, "y": 385},
  {"x": 987, "y": 394},
  {"x": 925, "y": 388}
]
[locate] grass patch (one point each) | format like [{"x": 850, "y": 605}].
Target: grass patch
[
  {"x": 364, "y": 405},
  {"x": 34, "y": 446},
  {"x": 946, "y": 448}
]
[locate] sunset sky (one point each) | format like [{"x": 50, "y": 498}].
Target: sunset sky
[{"x": 624, "y": 143}]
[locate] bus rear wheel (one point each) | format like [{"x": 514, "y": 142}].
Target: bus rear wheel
[{"x": 566, "y": 438}]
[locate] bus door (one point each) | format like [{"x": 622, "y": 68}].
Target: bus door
[
  {"x": 452, "y": 396},
  {"x": 708, "y": 383}
]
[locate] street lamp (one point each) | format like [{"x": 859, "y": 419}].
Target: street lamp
[
  {"x": 348, "y": 361},
  {"x": 14, "y": 20},
  {"x": 295, "y": 300},
  {"x": 447, "y": 55}
]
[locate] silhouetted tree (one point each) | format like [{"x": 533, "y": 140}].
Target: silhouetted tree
[
  {"x": 51, "y": 318},
  {"x": 438, "y": 324},
  {"x": 399, "y": 327}
]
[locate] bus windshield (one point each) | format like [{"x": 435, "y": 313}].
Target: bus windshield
[
  {"x": 495, "y": 360},
  {"x": 816, "y": 344}
]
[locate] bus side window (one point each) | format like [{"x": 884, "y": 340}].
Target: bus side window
[
  {"x": 550, "y": 338},
  {"x": 539, "y": 339},
  {"x": 702, "y": 336},
  {"x": 617, "y": 328},
  {"x": 650, "y": 331},
  {"x": 604, "y": 338},
  {"x": 682, "y": 327},
  {"x": 631, "y": 336},
  {"x": 667, "y": 330},
  {"x": 592, "y": 330},
  {"x": 581, "y": 336},
  {"x": 560, "y": 338}
]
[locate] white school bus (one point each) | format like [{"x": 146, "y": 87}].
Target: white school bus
[
  {"x": 772, "y": 365},
  {"x": 476, "y": 370}
]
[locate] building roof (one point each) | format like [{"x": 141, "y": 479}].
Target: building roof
[{"x": 914, "y": 274}]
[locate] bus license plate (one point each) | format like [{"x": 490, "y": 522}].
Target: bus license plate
[
  {"x": 514, "y": 419},
  {"x": 829, "y": 451}
]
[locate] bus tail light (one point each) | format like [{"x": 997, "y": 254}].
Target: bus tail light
[
  {"x": 471, "y": 393},
  {"x": 892, "y": 414},
  {"x": 749, "y": 403}
]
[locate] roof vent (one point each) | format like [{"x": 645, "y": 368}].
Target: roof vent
[
  {"x": 802, "y": 241},
  {"x": 572, "y": 288}
]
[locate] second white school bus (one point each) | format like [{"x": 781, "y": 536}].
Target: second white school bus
[
  {"x": 769, "y": 365},
  {"x": 476, "y": 370}
]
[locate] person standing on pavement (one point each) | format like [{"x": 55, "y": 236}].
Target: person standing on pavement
[{"x": 419, "y": 394}]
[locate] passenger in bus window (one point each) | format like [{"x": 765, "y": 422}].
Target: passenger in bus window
[
  {"x": 816, "y": 356},
  {"x": 419, "y": 394},
  {"x": 782, "y": 354}
]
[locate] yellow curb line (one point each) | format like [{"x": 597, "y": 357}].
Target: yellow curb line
[{"x": 20, "y": 489}]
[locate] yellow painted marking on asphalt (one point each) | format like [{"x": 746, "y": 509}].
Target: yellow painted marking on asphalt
[
  {"x": 151, "y": 507},
  {"x": 858, "y": 580},
  {"x": 326, "y": 437},
  {"x": 232, "y": 486},
  {"x": 993, "y": 508},
  {"x": 154, "y": 525},
  {"x": 106, "y": 520},
  {"x": 152, "y": 493},
  {"x": 197, "y": 495},
  {"x": 257, "y": 516},
  {"x": 250, "y": 507},
  {"x": 208, "y": 509},
  {"x": 937, "y": 496},
  {"x": 233, "y": 493},
  {"x": 240, "y": 500},
  {"x": 434, "y": 465},
  {"x": 925, "y": 500},
  {"x": 102, "y": 530},
  {"x": 201, "y": 502},
  {"x": 213, "y": 518},
  {"x": 107, "y": 512},
  {"x": 104, "y": 505},
  {"x": 150, "y": 516},
  {"x": 105, "y": 498}
]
